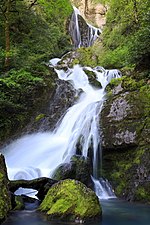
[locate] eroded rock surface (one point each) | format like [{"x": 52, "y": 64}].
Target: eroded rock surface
[{"x": 125, "y": 134}]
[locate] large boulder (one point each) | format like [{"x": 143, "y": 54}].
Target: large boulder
[
  {"x": 125, "y": 127},
  {"x": 5, "y": 198},
  {"x": 79, "y": 169},
  {"x": 70, "y": 200}
]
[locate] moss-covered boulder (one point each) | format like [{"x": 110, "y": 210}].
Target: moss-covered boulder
[
  {"x": 125, "y": 138},
  {"x": 5, "y": 199},
  {"x": 70, "y": 200}
]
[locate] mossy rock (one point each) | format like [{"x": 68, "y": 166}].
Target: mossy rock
[
  {"x": 19, "y": 203},
  {"x": 79, "y": 168},
  {"x": 5, "y": 200},
  {"x": 70, "y": 200}
]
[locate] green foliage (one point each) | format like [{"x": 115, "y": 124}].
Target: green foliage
[
  {"x": 126, "y": 34},
  {"x": 88, "y": 56},
  {"x": 18, "y": 92},
  {"x": 116, "y": 58},
  {"x": 130, "y": 84},
  {"x": 38, "y": 32}
]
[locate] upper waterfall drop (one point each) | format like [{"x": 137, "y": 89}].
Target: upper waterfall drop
[{"x": 82, "y": 33}]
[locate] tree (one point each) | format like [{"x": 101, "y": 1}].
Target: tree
[{"x": 7, "y": 7}]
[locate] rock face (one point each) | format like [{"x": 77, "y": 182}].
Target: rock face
[
  {"x": 50, "y": 113},
  {"x": 126, "y": 139},
  {"x": 5, "y": 199},
  {"x": 79, "y": 169},
  {"x": 95, "y": 13},
  {"x": 70, "y": 200}
]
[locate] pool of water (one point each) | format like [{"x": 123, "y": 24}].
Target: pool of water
[{"x": 115, "y": 212}]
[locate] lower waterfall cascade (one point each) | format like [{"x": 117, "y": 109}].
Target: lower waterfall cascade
[{"x": 39, "y": 154}]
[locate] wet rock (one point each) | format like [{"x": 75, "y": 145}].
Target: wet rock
[
  {"x": 5, "y": 197},
  {"x": 125, "y": 129},
  {"x": 70, "y": 200},
  {"x": 120, "y": 121},
  {"x": 93, "y": 12},
  {"x": 42, "y": 185},
  {"x": 79, "y": 169}
]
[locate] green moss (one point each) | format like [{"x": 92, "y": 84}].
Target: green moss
[
  {"x": 129, "y": 173},
  {"x": 70, "y": 199},
  {"x": 5, "y": 204},
  {"x": 19, "y": 203},
  {"x": 88, "y": 56},
  {"x": 113, "y": 83},
  {"x": 39, "y": 117},
  {"x": 142, "y": 194}
]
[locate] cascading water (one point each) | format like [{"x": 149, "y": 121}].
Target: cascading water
[
  {"x": 78, "y": 34},
  {"x": 38, "y": 155}
]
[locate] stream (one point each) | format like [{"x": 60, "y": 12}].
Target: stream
[{"x": 115, "y": 212}]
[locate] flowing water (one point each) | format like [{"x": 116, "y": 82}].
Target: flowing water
[
  {"x": 39, "y": 154},
  {"x": 115, "y": 212},
  {"x": 76, "y": 32}
]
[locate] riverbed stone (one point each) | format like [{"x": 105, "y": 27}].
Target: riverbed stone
[
  {"x": 70, "y": 200},
  {"x": 5, "y": 198}
]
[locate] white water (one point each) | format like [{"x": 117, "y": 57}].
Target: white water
[
  {"x": 103, "y": 188},
  {"x": 75, "y": 31},
  {"x": 39, "y": 154}
]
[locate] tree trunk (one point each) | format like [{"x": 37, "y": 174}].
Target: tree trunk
[
  {"x": 86, "y": 7},
  {"x": 7, "y": 36},
  {"x": 135, "y": 11}
]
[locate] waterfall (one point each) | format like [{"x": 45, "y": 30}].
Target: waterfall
[
  {"x": 39, "y": 154},
  {"x": 82, "y": 33}
]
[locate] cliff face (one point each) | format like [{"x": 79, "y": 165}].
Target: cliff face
[
  {"x": 92, "y": 12},
  {"x": 125, "y": 140}
]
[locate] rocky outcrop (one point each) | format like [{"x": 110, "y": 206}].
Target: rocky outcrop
[
  {"x": 79, "y": 169},
  {"x": 70, "y": 200},
  {"x": 5, "y": 198},
  {"x": 125, "y": 138},
  {"x": 41, "y": 184},
  {"x": 95, "y": 13},
  {"x": 51, "y": 113}
]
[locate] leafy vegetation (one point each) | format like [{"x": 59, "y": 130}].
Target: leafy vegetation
[
  {"x": 125, "y": 38},
  {"x": 126, "y": 35},
  {"x": 32, "y": 32},
  {"x": 36, "y": 31}
]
